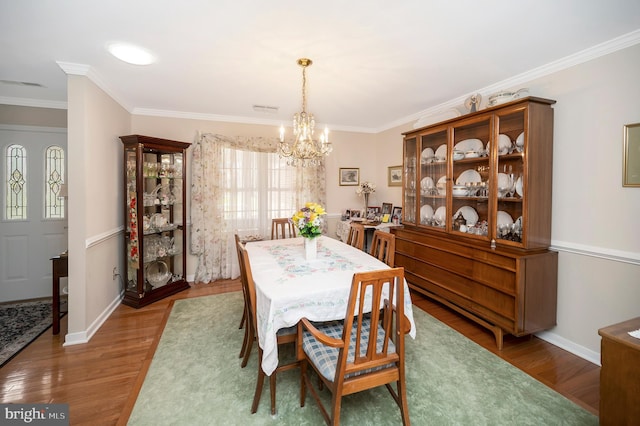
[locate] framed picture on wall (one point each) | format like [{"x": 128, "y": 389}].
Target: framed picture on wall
[
  {"x": 631, "y": 173},
  {"x": 349, "y": 176},
  {"x": 395, "y": 176}
]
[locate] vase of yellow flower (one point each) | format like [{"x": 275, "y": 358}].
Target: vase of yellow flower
[{"x": 308, "y": 221}]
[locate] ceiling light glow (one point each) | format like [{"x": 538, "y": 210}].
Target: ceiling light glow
[{"x": 131, "y": 54}]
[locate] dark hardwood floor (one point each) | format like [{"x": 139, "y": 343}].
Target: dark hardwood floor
[{"x": 101, "y": 379}]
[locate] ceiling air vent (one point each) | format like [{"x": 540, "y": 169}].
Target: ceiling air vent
[
  {"x": 21, "y": 83},
  {"x": 266, "y": 109}
]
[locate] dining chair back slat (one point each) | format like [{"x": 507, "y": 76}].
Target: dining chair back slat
[
  {"x": 363, "y": 352},
  {"x": 282, "y": 228},
  {"x": 356, "y": 235},
  {"x": 383, "y": 247}
]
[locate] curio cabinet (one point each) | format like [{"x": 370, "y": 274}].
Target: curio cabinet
[{"x": 155, "y": 214}]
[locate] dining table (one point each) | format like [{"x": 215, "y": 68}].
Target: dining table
[{"x": 289, "y": 287}]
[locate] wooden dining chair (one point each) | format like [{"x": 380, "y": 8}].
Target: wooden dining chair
[
  {"x": 383, "y": 247},
  {"x": 356, "y": 235},
  {"x": 282, "y": 228},
  {"x": 363, "y": 352},
  {"x": 245, "y": 350},
  {"x": 285, "y": 336}
]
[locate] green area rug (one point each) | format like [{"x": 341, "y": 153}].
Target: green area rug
[{"x": 195, "y": 379}]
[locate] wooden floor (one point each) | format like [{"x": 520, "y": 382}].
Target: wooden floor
[{"x": 100, "y": 379}]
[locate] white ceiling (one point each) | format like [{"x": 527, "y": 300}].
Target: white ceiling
[{"x": 376, "y": 64}]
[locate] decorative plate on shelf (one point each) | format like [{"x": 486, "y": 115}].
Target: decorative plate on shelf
[
  {"x": 468, "y": 176},
  {"x": 504, "y": 218},
  {"x": 441, "y": 153},
  {"x": 426, "y": 183},
  {"x": 427, "y": 155},
  {"x": 442, "y": 185},
  {"x": 469, "y": 213},
  {"x": 440, "y": 215},
  {"x": 426, "y": 213},
  {"x": 157, "y": 273},
  {"x": 469, "y": 145},
  {"x": 519, "y": 186}
]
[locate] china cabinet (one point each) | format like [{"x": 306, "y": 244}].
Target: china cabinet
[
  {"x": 155, "y": 213},
  {"x": 477, "y": 216}
]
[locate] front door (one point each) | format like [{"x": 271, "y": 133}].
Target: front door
[{"x": 33, "y": 221}]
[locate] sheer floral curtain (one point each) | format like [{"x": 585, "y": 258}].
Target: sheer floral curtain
[{"x": 238, "y": 185}]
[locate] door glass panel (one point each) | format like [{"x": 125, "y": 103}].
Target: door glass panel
[
  {"x": 54, "y": 179},
  {"x": 16, "y": 183}
]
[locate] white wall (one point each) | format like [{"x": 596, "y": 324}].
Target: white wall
[
  {"x": 594, "y": 217},
  {"x": 95, "y": 205}
]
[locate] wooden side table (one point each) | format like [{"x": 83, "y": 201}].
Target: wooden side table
[
  {"x": 620, "y": 374},
  {"x": 60, "y": 269}
]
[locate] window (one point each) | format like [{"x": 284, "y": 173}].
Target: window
[
  {"x": 53, "y": 181},
  {"x": 257, "y": 187},
  {"x": 16, "y": 180}
]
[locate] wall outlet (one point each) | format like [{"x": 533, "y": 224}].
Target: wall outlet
[{"x": 115, "y": 272}]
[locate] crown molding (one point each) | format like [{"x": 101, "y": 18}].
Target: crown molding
[
  {"x": 87, "y": 71},
  {"x": 591, "y": 53}
]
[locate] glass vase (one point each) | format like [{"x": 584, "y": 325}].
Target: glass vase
[{"x": 366, "y": 204}]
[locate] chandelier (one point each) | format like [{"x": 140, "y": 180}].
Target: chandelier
[{"x": 304, "y": 150}]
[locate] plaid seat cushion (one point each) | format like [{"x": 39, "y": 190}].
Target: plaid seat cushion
[{"x": 325, "y": 358}]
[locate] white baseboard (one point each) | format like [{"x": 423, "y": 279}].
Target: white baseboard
[
  {"x": 84, "y": 336},
  {"x": 569, "y": 346}
]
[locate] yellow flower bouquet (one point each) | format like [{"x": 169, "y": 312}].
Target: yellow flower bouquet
[{"x": 308, "y": 220}]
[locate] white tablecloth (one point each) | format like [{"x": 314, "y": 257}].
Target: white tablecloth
[{"x": 288, "y": 287}]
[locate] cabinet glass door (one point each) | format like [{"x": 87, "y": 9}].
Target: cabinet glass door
[
  {"x": 433, "y": 180},
  {"x": 511, "y": 179},
  {"x": 409, "y": 181},
  {"x": 132, "y": 235},
  {"x": 471, "y": 173},
  {"x": 163, "y": 219}
]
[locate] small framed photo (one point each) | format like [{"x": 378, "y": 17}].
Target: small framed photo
[
  {"x": 386, "y": 208},
  {"x": 349, "y": 176},
  {"x": 395, "y": 176},
  {"x": 355, "y": 214},
  {"x": 396, "y": 217},
  {"x": 373, "y": 213}
]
